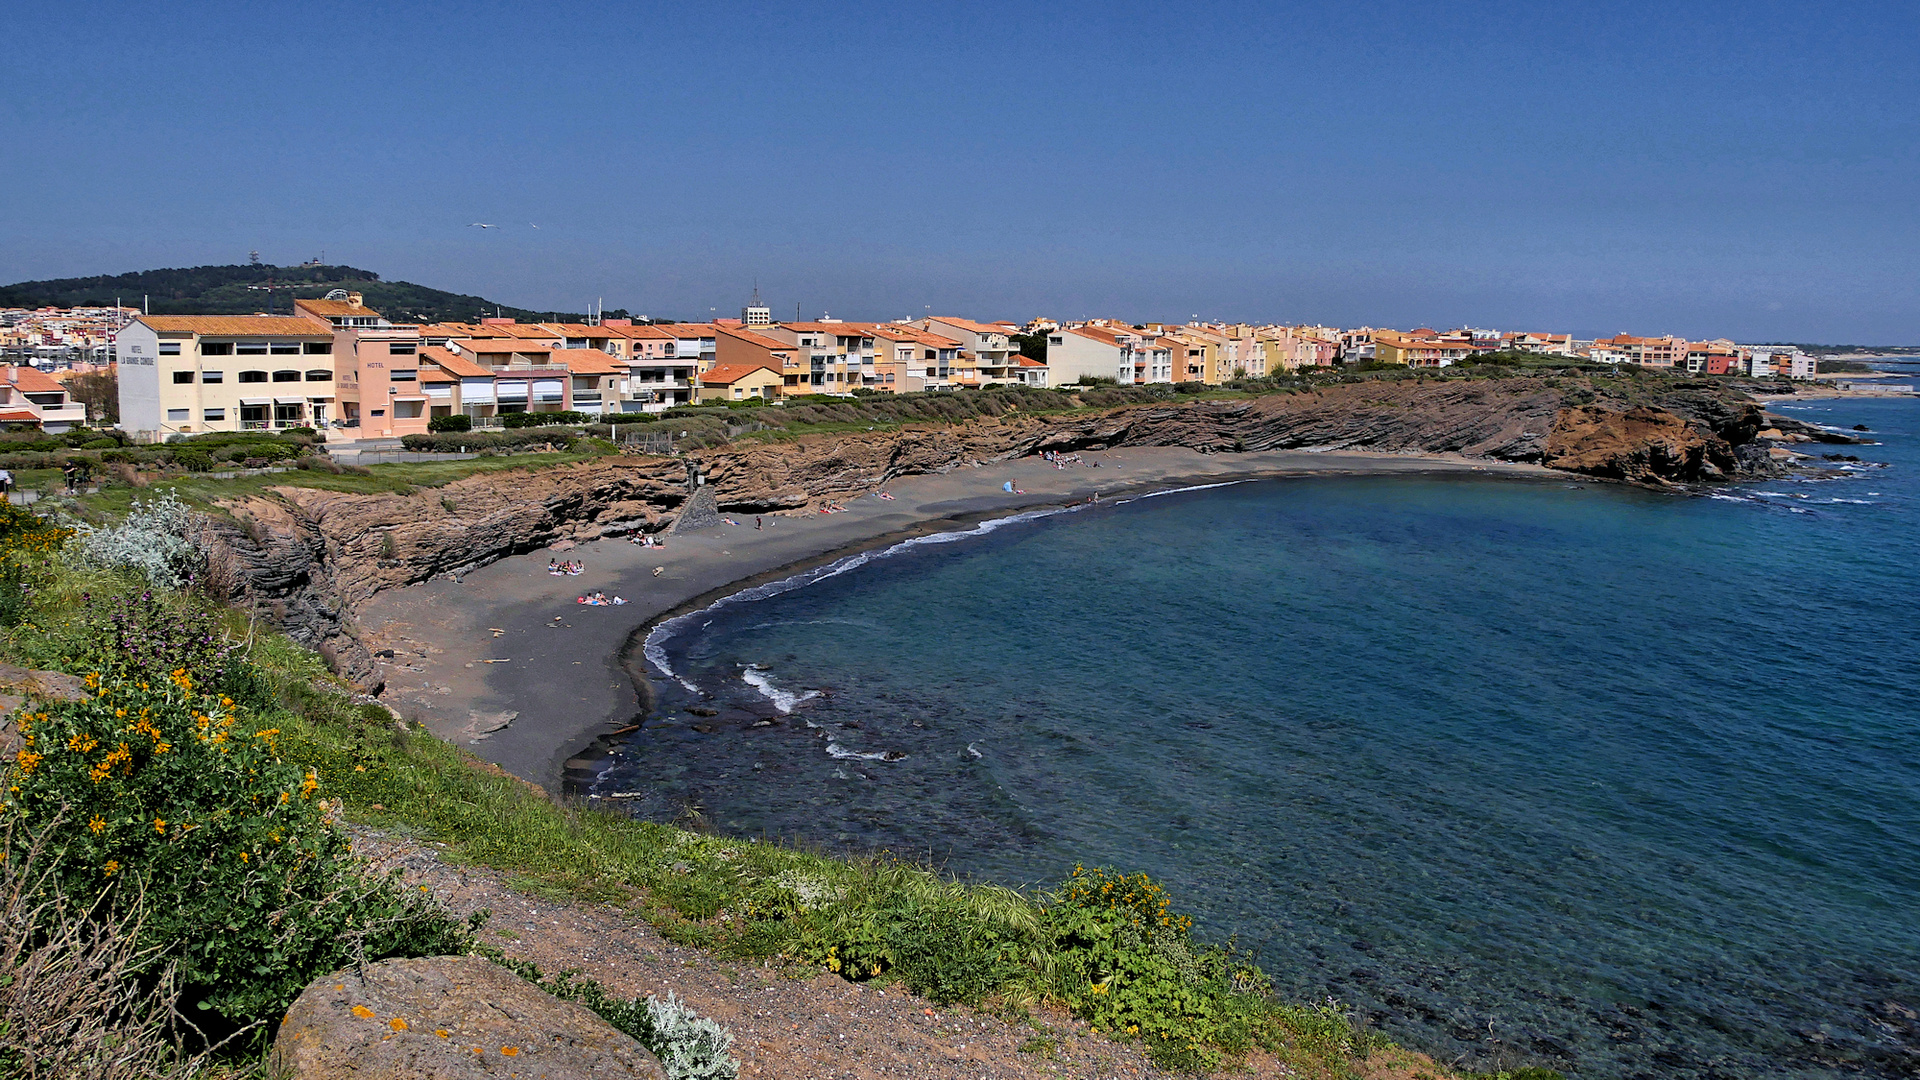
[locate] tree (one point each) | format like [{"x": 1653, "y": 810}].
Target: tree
[
  {"x": 99, "y": 391},
  {"x": 1032, "y": 346}
]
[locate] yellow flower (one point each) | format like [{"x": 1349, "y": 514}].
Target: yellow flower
[
  {"x": 243, "y": 857},
  {"x": 160, "y": 826},
  {"x": 112, "y": 867},
  {"x": 98, "y": 825},
  {"x": 28, "y": 760},
  {"x": 81, "y": 742}
]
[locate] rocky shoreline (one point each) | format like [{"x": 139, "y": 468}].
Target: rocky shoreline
[{"x": 310, "y": 558}]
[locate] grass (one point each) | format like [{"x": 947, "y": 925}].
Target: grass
[
  {"x": 863, "y": 918},
  {"x": 400, "y": 478}
]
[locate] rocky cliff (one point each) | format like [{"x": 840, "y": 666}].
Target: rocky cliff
[{"x": 309, "y": 557}]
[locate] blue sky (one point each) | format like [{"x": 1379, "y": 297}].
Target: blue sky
[{"x": 1705, "y": 169}]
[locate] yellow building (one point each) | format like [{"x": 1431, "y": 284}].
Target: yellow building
[{"x": 183, "y": 374}]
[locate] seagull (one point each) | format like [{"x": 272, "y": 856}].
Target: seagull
[
  {"x": 532, "y": 225},
  {"x": 477, "y": 225}
]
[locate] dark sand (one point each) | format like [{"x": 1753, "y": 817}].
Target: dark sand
[{"x": 442, "y": 632}]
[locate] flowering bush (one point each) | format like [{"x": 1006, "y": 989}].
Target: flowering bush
[
  {"x": 25, "y": 541},
  {"x": 170, "y": 792},
  {"x": 155, "y": 540},
  {"x": 1126, "y": 964}
]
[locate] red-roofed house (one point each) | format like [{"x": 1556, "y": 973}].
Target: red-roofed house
[
  {"x": 31, "y": 396},
  {"x": 741, "y": 382}
]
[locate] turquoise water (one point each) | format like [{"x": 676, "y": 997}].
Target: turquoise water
[{"x": 1623, "y": 783}]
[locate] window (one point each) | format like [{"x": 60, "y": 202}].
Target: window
[
  {"x": 403, "y": 376},
  {"x": 319, "y": 375},
  {"x": 169, "y": 348},
  {"x": 216, "y": 348},
  {"x": 379, "y": 412},
  {"x": 406, "y": 410},
  {"x": 215, "y": 414},
  {"x": 177, "y": 415},
  {"x": 286, "y": 376},
  {"x": 400, "y": 348},
  {"x": 284, "y": 348},
  {"x": 253, "y": 376},
  {"x": 1056, "y": 341},
  {"x": 182, "y": 377},
  {"x": 250, "y": 348},
  {"x": 318, "y": 348}
]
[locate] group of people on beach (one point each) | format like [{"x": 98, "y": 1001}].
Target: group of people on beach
[
  {"x": 569, "y": 568},
  {"x": 600, "y": 599},
  {"x": 645, "y": 540},
  {"x": 833, "y": 508},
  {"x": 1061, "y": 461}
]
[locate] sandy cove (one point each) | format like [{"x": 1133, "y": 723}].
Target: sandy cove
[{"x": 503, "y": 641}]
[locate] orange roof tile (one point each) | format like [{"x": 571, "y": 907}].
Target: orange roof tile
[
  {"x": 970, "y": 325},
  {"x": 648, "y": 332},
  {"x": 495, "y": 346},
  {"x": 237, "y": 325},
  {"x": 31, "y": 380},
  {"x": 580, "y": 330},
  {"x": 588, "y": 362},
  {"x": 454, "y": 365},
  {"x": 330, "y": 308},
  {"x": 727, "y": 374},
  {"x": 752, "y": 338}
]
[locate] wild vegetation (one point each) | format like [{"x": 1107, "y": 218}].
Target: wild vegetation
[{"x": 191, "y": 801}]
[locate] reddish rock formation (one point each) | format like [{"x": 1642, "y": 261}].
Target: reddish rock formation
[{"x": 1644, "y": 445}]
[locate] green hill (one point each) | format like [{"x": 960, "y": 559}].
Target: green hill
[{"x": 242, "y": 290}]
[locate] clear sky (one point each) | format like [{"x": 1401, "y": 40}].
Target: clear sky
[{"x": 1742, "y": 169}]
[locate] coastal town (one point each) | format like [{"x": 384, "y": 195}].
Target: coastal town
[{"x": 340, "y": 365}]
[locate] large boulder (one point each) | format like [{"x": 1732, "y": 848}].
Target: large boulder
[
  {"x": 18, "y": 686},
  {"x": 448, "y": 1018}
]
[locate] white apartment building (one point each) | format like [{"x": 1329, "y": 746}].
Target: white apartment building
[
  {"x": 1108, "y": 352},
  {"x": 183, "y": 374}
]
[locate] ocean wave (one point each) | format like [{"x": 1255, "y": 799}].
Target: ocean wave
[
  {"x": 784, "y": 700},
  {"x": 841, "y": 753}
]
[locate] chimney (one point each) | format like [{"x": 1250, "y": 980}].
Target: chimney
[{"x": 354, "y": 299}]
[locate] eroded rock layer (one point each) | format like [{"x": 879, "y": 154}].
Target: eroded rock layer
[{"x": 309, "y": 557}]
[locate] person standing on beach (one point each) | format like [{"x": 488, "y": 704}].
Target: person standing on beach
[{"x": 756, "y": 523}]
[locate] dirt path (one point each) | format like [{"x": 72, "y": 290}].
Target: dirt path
[{"x": 787, "y": 1021}]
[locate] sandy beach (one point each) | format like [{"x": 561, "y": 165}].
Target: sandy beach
[{"x": 488, "y": 662}]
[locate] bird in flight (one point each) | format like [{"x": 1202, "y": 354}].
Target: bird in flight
[
  {"x": 532, "y": 225},
  {"x": 477, "y": 225}
]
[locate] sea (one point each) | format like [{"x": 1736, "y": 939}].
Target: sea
[{"x": 1618, "y": 782}]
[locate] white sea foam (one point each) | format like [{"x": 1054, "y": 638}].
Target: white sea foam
[
  {"x": 784, "y": 700},
  {"x": 841, "y": 753},
  {"x": 973, "y": 750}
]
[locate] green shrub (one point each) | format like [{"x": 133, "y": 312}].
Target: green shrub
[
  {"x": 454, "y": 422},
  {"x": 161, "y": 786},
  {"x": 193, "y": 460},
  {"x": 100, "y": 444},
  {"x": 1125, "y": 964},
  {"x": 543, "y": 419},
  {"x": 689, "y": 1046}
]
